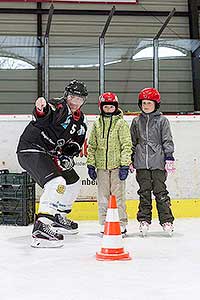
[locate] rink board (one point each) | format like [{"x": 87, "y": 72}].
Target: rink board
[
  {"x": 184, "y": 185},
  {"x": 184, "y": 208}
]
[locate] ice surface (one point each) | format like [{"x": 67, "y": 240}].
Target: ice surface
[{"x": 161, "y": 267}]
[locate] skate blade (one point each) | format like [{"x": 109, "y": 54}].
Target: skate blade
[
  {"x": 144, "y": 232},
  {"x": 168, "y": 233},
  {"x": 66, "y": 232},
  {"x": 40, "y": 243},
  {"x": 124, "y": 235}
]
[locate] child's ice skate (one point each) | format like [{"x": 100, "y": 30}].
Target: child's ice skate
[
  {"x": 43, "y": 236},
  {"x": 101, "y": 230},
  {"x": 64, "y": 225},
  {"x": 144, "y": 227},
  {"x": 168, "y": 228},
  {"x": 123, "y": 230}
]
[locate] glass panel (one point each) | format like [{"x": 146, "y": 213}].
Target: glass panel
[{"x": 19, "y": 60}]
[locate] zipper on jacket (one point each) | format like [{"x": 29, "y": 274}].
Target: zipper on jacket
[
  {"x": 107, "y": 142},
  {"x": 147, "y": 139},
  {"x": 103, "y": 125}
]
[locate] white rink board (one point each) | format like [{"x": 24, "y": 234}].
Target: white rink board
[{"x": 184, "y": 184}]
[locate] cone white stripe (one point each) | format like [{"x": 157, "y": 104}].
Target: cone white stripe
[
  {"x": 112, "y": 241},
  {"x": 112, "y": 215}
]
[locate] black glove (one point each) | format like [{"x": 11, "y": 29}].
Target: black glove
[
  {"x": 71, "y": 149},
  {"x": 91, "y": 172},
  {"x": 123, "y": 172},
  {"x": 66, "y": 162}
]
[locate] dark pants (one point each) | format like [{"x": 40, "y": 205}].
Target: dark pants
[
  {"x": 153, "y": 181},
  {"x": 42, "y": 168}
]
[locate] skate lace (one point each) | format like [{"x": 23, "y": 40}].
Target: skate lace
[
  {"x": 47, "y": 229},
  {"x": 168, "y": 226},
  {"x": 144, "y": 224},
  {"x": 64, "y": 221}
]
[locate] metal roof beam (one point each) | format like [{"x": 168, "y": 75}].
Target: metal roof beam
[{"x": 91, "y": 12}]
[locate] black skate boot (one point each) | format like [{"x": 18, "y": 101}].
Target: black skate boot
[
  {"x": 43, "y": 236},
  {"x": 64, "y": 225}
]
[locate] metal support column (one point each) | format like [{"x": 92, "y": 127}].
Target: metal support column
[
  {"x": 46, "y": 53},
  {"x": 40, "y": 48},
  {"x": 194, "y": 34},
  {"x": 155, "y": 50},
  {"x": 102, "y": 52}
]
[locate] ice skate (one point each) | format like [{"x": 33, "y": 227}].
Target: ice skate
[
  {"x": 102, "y": 230},
  {"x": 168, "y": 228},
  {"x": 123, "y": 230},
  {"x": 64, "y": 225},
  {"x": 144, "y": 227},
  {"x": 44, "y": 237}
]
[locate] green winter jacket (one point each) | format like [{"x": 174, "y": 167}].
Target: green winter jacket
[{"x": 110, "y": 143}]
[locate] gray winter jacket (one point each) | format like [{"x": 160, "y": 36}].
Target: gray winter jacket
[{"x": 152, "y": 141}]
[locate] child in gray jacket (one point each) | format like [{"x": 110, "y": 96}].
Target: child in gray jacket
[{"x": 152, "y": 158}]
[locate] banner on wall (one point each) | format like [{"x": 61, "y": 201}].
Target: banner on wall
[
  {"x": 184, "y": 184},
  {"x": 80, "y": 1}
]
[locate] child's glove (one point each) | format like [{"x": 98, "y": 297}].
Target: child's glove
[
  {"x": 123, "y": 172},
  {"x": 131, "y": 168},
  {"x": 91, "y": 172},
  {"x": 170, "y": 167}
]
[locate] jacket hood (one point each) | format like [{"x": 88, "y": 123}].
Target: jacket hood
[
  {"x": 151, "y": 115},
  {"x": 118, "y": 114}
]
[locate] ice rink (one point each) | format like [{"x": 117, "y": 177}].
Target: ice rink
[{"x": 161, "y": 267}]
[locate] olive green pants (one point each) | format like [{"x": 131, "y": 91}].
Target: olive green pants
[{"x": 153, "y": 181}]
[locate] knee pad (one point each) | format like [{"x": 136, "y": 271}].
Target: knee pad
[
  {"x": 70, "y": 195},
  {"x": 54, "y": 192}
]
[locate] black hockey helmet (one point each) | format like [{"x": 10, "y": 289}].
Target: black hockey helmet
[{"x": 77, "y": 88}]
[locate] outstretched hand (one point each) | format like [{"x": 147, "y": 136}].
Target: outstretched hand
[{"x": 40, "y": 104}]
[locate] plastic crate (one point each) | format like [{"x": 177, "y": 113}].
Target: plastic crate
[
  {"x": 17, "y": 201},
  {"x": 15, "y": 205},
  {"x": 15, "y": 178},
  {"x": 18, "y": 218},
  {"x": 8, "y": 191}
]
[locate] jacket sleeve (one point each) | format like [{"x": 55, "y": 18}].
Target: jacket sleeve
[
  {"x": 134, "y": 136},
  {"x": 126, "y": 145},
  {"x": 42, "y": 118},
  {"x": 92, "y": 146},
  {"x": 167, "y": 139}
]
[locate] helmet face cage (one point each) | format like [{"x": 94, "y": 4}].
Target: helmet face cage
[
  {"x": 76, "y": 88},
  {"x": 108, "y": 99}
]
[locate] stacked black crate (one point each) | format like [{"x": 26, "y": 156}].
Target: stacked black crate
[{"x": 17, "y": 198}]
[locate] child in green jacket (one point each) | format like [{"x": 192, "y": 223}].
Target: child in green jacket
[{"x": 109, "y": 157}]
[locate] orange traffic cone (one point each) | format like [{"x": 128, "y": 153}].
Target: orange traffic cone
[{"x": 112, "y": 248}]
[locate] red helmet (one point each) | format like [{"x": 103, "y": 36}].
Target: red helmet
[
  {"x": 149, "y": 94},
  {"x": 109, "y": 99}
]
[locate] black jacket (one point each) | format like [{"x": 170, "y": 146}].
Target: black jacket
[{"x": 54, "y": 131}]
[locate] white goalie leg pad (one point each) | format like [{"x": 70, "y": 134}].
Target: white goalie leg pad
[
  {"x": 54, "y": 193},
  {"x": 70, "y": 195}
]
